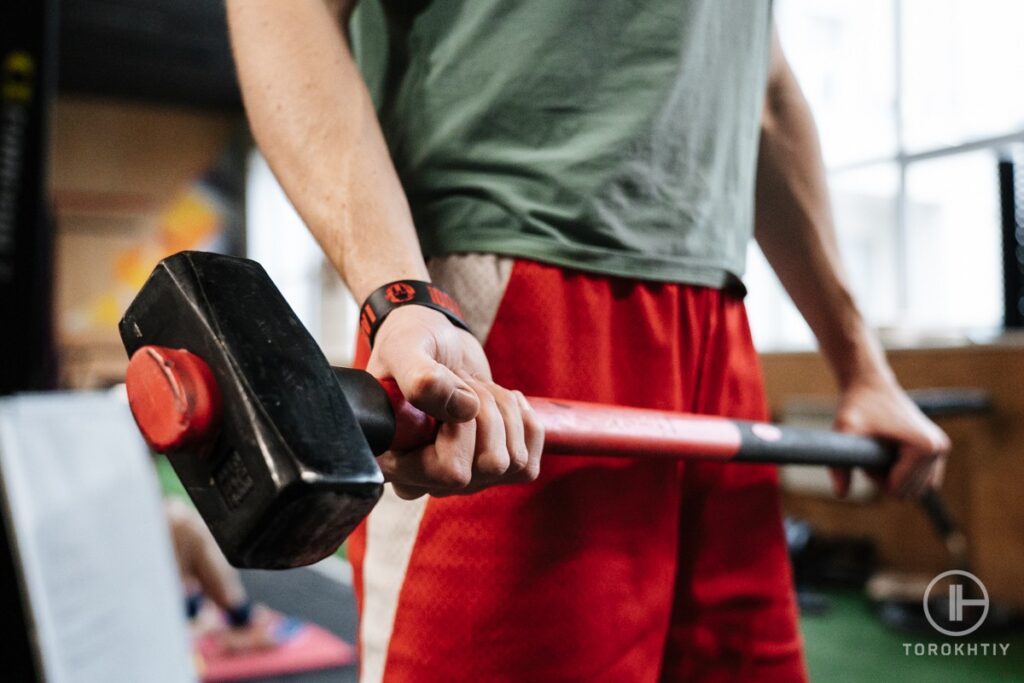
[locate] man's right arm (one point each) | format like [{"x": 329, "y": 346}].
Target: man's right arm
[
  {"x": 313, "y": 118},
  {"x": 314, "y": 121}
]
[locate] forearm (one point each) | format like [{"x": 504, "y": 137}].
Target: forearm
[
  {"x": 795, "y": 230},
  {"x": 313, "y": 119}
]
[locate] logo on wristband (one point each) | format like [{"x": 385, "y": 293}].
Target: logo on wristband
[{"x": 399, "y": 292}]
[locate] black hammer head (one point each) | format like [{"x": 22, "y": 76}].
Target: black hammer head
[{"x": 288, "y": 474}]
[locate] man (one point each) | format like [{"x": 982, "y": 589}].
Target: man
[{"x": 581, "y": 176}]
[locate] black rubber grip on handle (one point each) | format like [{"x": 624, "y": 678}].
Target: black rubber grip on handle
[
  {"x": 370, "y": 406},
  {"x": 938, "y": 513},
  {"x": 767, "y": 443}
]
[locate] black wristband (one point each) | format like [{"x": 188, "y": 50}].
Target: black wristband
[
  {"x": 403, "y": 293},
  {"x": 239, "y": 615}
]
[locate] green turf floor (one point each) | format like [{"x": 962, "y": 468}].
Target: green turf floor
[
  {"x": 169, "y": 482},
  {"x": 850, "y": 645}
]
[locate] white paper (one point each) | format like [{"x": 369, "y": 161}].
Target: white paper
[{"x": 92, "y": 541}]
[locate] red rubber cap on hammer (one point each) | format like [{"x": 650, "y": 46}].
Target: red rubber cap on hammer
[{"x": 173, "y": 396}]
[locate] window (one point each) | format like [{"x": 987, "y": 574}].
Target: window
[
  {"x": 915, "y": 102},
  {"x": 278, "y": 239}
]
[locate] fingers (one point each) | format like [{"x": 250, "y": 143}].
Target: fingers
[
  {"x": 842, "y": 477},
  {"x": 921, "y": 464},
  {"x": 840, "y": 481},
  {"x": 915, "y": 472},
  {"x": 533, "y": 436},
  {"x": 912, "y": 480},
  {"x": 429, "y": 385},
  {"x": 447, "y": 464},
  {"x": 938, "y": 474},
  {"x": 515, "y": 431},
  {"x": 435, "y": 389},
  {"x": 501, "y": 445},
  {"x": 491, "y": 459},
  {"x": 886, "y": 412}
]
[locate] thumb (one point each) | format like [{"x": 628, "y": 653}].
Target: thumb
[{"x": 434, "y": 388}]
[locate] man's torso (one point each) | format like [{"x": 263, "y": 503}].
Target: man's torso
[{"x": 615, "y": 137}]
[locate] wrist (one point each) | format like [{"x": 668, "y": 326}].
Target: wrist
[
  {"x": 362, "y": 284},
  {"x": 857, "y": 359},
  {"x": 401, "y": 294},
  {"x": 863, "y": 365}
]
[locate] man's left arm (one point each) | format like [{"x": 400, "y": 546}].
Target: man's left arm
[{"x": 795, "y": 230}]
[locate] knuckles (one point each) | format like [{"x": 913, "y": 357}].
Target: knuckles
[
  {"x": 849, "y": 422},
  {"x": 519, "y": 458},
  {"x": 452, "y": 476},
  {"x": 492, "y": 463},
  {"x": 424, "y": 383},
  {"x": 488, "y": 401},
  {"x": 531, "y": 471}
]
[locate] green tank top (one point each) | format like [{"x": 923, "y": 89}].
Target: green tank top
[{"x": 610, "y": 136}]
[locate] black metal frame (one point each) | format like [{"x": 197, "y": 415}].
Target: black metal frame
[{"x": 1012, "y": 209}]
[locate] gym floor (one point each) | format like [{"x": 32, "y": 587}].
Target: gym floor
[{"x": 835, "y": 642}]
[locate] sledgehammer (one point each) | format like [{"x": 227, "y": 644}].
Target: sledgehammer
[{"x": 276, "y": 447}]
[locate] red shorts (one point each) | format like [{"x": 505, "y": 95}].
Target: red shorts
[{"x": 603, "y": 569}]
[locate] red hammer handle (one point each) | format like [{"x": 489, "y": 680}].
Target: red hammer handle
[
  {"x": 580, "y": 428},
  {"x": 590, "y": 428}
]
